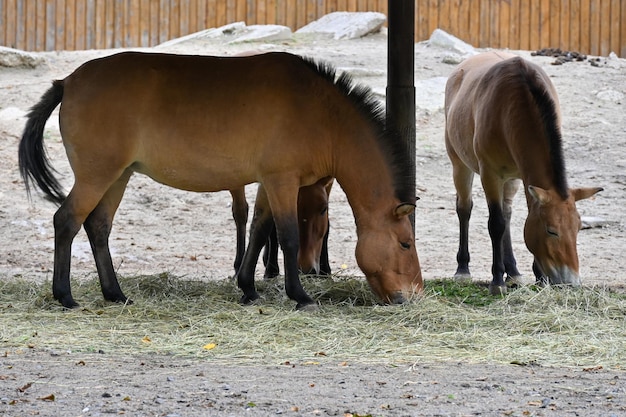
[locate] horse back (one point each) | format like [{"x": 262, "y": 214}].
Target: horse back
[
  {"x": 181, "y": 117},
  {"x": 492, "y": 114}
]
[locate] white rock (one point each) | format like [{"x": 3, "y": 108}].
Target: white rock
[
  {"x": 10, "y": 57},
  {"x": 264, "y": 33},
  {"x": 443, "y": 39},
  {"x": 429, "y": 93},
  {"x": 346, "y": 25}
]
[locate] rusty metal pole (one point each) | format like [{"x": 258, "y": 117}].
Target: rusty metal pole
[{"x": 401, "y": 74}]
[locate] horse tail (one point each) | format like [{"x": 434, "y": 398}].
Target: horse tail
[
  {"x": 548, "y": 111},
  {"x": 33, "y": 159}
]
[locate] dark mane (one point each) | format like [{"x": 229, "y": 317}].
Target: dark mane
[
  {"x": 389, "y": 140},
  {"x": 549, "y": 116}
]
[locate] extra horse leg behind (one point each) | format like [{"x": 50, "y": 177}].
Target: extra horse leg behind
[
  {"x": 240, "y": 215},
  {"x": 98, "y": 227}
]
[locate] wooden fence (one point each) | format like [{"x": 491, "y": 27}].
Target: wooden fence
[{"x": 594, "y": 27}]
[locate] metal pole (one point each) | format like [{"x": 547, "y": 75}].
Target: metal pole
[{"x": 401, "y": 74}]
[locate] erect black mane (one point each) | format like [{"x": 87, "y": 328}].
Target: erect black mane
[
  {"x": 549, "y": 117},
  {"x": 389, "y": 140}
]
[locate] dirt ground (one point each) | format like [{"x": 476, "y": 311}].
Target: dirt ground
[{"x": 159, "y": 229}]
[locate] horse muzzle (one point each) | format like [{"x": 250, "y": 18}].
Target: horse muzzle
[{"x": 562, "y": 275}]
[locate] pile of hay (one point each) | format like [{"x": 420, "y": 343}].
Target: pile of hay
[{"x": 451, "y": 321}]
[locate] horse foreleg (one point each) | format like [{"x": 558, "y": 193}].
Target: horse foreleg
[
  {"x": 497, "y": 226},
  {"x": 65, "y": 228},
  {"x": 283, "y": 201},
  {"x": 514, "y": 278},
  {"x": 324, "y": 261},
  {"x": 259, "y": 232},
  {"x": 463, "y": 180},
  {"x": 98, "y": 227},
  {"x": 240, "y": 215},
  {"x": 270, "y": 254}
]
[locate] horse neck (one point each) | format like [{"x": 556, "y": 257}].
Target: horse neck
[{"x": 362, "y": 170}]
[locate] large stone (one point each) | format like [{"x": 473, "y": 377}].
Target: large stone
[
  {"x": 10, "y": 57},
  {"x": 346, "y": 25},
  {"x": 443, "y": 39}
]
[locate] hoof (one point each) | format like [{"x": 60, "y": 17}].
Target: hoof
[
  {"x": 308, "y": 307},
  {"x": 498, "y": 290},
  {"x": 118, "y": 298},
  {"x": 68, "y": 302},
  {"x": 463, "y": 277},
  {"x": 248, "y": 299},
  {"x": 514, "y": 281}
]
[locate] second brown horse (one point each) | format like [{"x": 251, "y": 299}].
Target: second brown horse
[{"x": 503, "y": 122}]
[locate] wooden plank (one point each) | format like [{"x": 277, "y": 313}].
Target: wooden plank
[
  {"x": 300, "y": 13},
  {"x": 250, "y": 12},
  {"x": 524, "y": 24},
  {"x": 474, "y": 22},
  {"x": 174, "y": 19},
  {"x": 535, "y": 24},
  {"x": 504, "y": 25},
  {"x": 270, "y": 12},
  {"x": 494, "y": 25},
  {"x": 9, "y": 20},
  {"x": 554, "y": 14},
  {"x": 69, "y": 38},
  {"x": 443, "y": 16},
  {"x": 291, "y": 12},
  {"x": 433, "y": 15},
  {"x": 574, "y": 24},
  {"x": 463, "y": 20},
  {"x": 281, "y": 13},
  {"x": 231, "y": 11},
  {"x": 260, "y": 12},
  {"x": 514, "y": 25},
  {"x": 485, "y": 27},
  {"x": 605, "y": 28},
  {"x": 564, "y": 29},
  {"x": 59, "y": 23},
  {"x": 50, "y": 26},
  {"x": 144, "y": 23},
  {"x": 421, "y": 20},
  {"x": 453, "y": 18},
  {"x": 40, "y": 28},
  {"x": 622, "y": 19},
  {"x": 80, "y": 32},
  {"x": 90, "y": 24},
  {"x": 164, "y": 21},
  {"x": 615, "y": 26},
  {"x": 585, "y": 27},
  {"x": 594, "y": 27},
  {"x": 544, "y": 25},
  {"x": 183, "y": 18}
]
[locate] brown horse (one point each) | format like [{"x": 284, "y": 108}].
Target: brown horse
[
  {"x": 205, "y": 124},
  {"x": 503, "y": 122},
  {"x": 312, "y": 228}
]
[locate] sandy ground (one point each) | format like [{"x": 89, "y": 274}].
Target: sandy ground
[{"x": 159, "y": 229}]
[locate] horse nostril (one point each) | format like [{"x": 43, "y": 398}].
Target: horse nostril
[{"x": 397, "y": 298}]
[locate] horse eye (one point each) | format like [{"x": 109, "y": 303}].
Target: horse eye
[
  {"x": 405, "y": 245},
  {"x": 324, "y": 210},
  {"x": 552, "y": 232}
]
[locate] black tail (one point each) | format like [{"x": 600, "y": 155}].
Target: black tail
[{"x": 33, "y": 160}]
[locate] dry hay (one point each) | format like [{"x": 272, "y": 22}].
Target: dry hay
[{"x": 451, "y": 321}]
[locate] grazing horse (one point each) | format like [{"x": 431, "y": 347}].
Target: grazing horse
[
  {"x": 204, "y": 124},
  {"x": 312, "y": 226},
  {"x": 503, "y": 122}
]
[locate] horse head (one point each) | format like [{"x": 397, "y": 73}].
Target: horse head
[
  {"x": 313, "y": 223},
  {"x": 386, "y": 254},
  {"x": 551, "y": 230}
]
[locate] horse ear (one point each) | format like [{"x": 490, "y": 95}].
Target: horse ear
[
  {"x": 583, "y": 193},
  {"x": 404, "y": 209},
  {"x": 540, "y": 195}
]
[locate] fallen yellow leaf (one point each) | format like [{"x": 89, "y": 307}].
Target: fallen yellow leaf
[
  {"x": 209, "y": 346},
  {"x": 146, "y": 339}
]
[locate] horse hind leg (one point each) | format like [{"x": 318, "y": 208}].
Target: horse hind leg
[
  {"x": 240, "y": 215},
  {"x": 98, "y": 228},
  {"x": 514, "y": 278},
  {"x": 463, "y": 179},
  {"x": 68, "y": 220}
]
